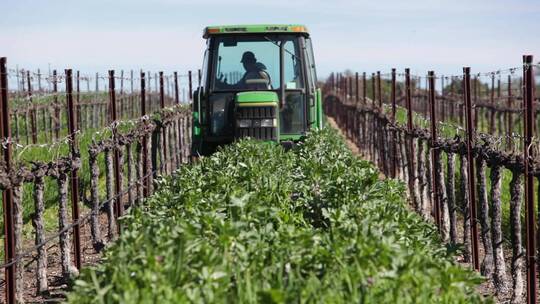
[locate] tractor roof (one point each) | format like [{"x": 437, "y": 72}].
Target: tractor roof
[{"x": 254, "y": 28}]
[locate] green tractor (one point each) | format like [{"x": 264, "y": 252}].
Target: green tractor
[{"x": 257, "y": 81}]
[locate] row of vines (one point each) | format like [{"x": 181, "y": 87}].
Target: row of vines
[
  {"x": 38, "y": 114},
  {"x": 94, "y": 156},
  {"x": 466, "y": 151},
  {"x": 256, "y": 224}
]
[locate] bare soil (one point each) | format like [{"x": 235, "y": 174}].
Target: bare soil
[{"x": 57, "y": 283}]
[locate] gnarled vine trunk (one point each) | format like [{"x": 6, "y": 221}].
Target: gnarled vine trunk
[
  {"x": 466, "y": 209},
  {"x": 518, "y": 254},
  {"x": 499, "y": 274},
  {"x": 451, "y": 195},
  {"x": 487, "y": 262},
  {"x": 39, "y": 205}
]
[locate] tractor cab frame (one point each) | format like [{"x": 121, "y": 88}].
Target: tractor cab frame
[{"x": 258, "y": 81}]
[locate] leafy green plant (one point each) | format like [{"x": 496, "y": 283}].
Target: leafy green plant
[{"x": 255, "y": 224}]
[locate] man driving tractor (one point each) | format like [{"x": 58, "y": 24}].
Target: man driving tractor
[
  {"x": 257, "y": 81},
  {"x": 255, "y": 77}
]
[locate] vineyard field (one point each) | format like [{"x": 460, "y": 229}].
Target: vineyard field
[
  {"x": 100, "y": 150},
  {"x": 150, "y": 156},
  {"x": 256, "y": 224}
]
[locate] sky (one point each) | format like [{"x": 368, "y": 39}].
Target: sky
[{"x": 358, "y": 35}]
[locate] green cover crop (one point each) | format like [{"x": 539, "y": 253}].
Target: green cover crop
[{"x": 255, "y": 224}]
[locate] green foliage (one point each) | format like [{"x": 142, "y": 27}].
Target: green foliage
[{"x": 255, "y": 224}]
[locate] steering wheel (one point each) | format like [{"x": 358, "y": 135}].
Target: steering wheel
[{"x": 221, "y": 84}]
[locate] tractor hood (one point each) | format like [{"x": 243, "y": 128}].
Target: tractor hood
[
  {"x": 254, "y": 98},
  {"x": 257, "y": 115}
]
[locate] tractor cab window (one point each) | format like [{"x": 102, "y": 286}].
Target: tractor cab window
[{"x": 252, "y": 63}]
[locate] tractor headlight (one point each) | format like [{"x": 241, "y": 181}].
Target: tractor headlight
[
  {"x": 269, "y": 122},
  {"x": 244, "y": 123}
]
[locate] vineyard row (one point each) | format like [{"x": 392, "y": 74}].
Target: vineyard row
[
  {"x": 95, "y": 176},
  {"x": 464, "y": 171}
]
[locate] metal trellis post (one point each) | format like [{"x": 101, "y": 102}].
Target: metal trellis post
[
  {"x": 72, "y": 125},
  {"x": 7, "y": 194},
  {"x": 528, "y": 99},
  {"x": 470, "y": 160}
]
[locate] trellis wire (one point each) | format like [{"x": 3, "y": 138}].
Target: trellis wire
[
  {"x": 398, "y": 150},
  {"x": 170, "y": 120}
]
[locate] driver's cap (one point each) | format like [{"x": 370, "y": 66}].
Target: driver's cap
[{"x": 248, "y": 56}]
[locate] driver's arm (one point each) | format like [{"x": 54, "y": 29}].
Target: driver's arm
[{"x": 221, "y": 84}]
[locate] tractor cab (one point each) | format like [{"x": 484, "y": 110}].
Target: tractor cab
[{"x": 257, "y": 81}]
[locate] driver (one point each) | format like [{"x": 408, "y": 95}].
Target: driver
[
  {"x": 256, "y": 77},
  {"x": 254, "y": 70}
]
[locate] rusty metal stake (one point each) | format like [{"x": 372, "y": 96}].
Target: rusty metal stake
[
  {"x": 176, "y": 96},
  {"x": 373, "y": 89},
  {"x": 434, "y": 150},
  {"x": 155, "y": 82},
  {"x": 529, "y": 178},
  {"x": 121, "y": 109},
  {"x": 346, "y": 87},
  {"x": 393, "y": 118},
  {"x": 119, "y": 210},
  {"x": 350, "y": 87},
  {"x": 56, "y": 106},
  {"x": 408, "y": 99},
  {"x": 32, "y": 109},
  {"x": 379, "y": 92},
  {"x": 393, "y": 95},
  {"x": 39, "y": 80},
  {"x": 357, "y": 95},
  {"x": 7, "y": 194},
  {"x": 190, "y": 86},
  {"x": 72, "y": 126},
  {"x": 364, "y": 88},
  {"x": 410, "y": 143},
  {"x": 121, "y": 87},
  {"x": 475, "y": 100},
  {"x": 163, "y": 130},
  {"x": 131, "y": 80},
  {"x": 492, "y": 101},
  {"x": 344, "y": 84},
  {"x": 143, "y": 139},
  {"x": 470, "y": 160},
  {"x": 509, "y": 114},
  {"x": 161, "y": 91}
]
